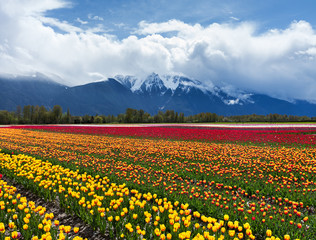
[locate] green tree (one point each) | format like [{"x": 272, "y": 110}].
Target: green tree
[
  {"x": 35, "y": 114},
  {"x": 56, "y": 113},
  {"x": 181, "y": 118},
  {"x": 42, "y": 115},
  {"x": 68, "y": 116},
  {"x": 140, "y": 116},
  {"x": 18, "y": 113},
  {"x": 98, "y": 119},
  {"x": 5, "y": 117},
  {"x": 130, "y": 115},
  {"x": 27, "y": 114}
]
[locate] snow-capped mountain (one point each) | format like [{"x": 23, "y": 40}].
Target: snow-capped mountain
[
  {"x": 180, "y": 85},
  {"x": 152, "y": 93},
  {"x": 154, "y": 82}
]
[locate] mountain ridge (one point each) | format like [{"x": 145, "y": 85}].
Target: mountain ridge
[{"x": 152, "y": 94}]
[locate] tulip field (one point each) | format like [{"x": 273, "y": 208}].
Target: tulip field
[{"x": 160, "y": 182}]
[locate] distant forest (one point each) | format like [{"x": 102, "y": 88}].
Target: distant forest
[{"x": 40, "y": 115}]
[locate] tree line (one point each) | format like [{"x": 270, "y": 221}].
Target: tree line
[
  {"x": 35, "y": 115},
  {"x": 30, "y": 114}
]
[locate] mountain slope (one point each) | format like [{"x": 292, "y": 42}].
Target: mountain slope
[
  {"x": 28, "y": 91},
  {"x": 107, "y": 97}
]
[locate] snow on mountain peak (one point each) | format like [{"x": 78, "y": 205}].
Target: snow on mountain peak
[
  {"x": 171, "y": 82},
  {"x": 153, "y": 81},
  {"x": 163, "y": 83},
  {"x": 127, "y": 81}
]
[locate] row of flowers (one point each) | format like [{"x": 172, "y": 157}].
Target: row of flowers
[
  {"x": 298, "y": 136},
  {"x": 22, "y": 219}
]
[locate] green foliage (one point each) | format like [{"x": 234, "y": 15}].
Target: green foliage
[
  {"x": 40, "y": 115},
  {"x": 35, "y": 115}
]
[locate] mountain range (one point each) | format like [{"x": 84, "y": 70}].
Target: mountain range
[{"x": 153, "y": 93}]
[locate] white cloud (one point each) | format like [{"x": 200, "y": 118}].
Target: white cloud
[
  {"x": 234, "y": 18},
  {"x": 81, "y": 21},
  {"x": 94, "y": 17},
  {"x": 279, "y": 62},
  {"x": 97, "y": 76},
  {"x": 173, "y": 25},
  {"x": 232, "y": 101},
  {"x": 15, "y": 8},
  {"x": 120, "y": 25},
  {"x": 64, "y": 26},
  {"x": 99, "y": 28}
]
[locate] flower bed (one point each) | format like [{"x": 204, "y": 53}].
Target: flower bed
[{"x": 268, "y": 187}]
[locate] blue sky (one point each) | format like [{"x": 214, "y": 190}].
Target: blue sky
[
  {"x": 121, "y": 17},
  {"x": 258, "y": 46}
]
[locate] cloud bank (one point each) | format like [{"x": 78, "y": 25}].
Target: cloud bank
[{"x": 278, "y": 62}]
